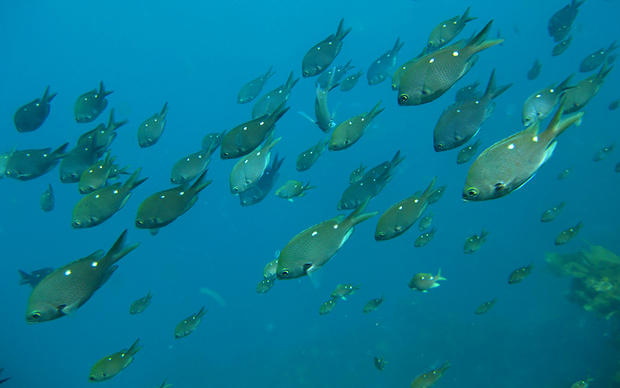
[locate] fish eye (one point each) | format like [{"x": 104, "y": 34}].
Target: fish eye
[
  {"x": 285, "y": 273},
  {"x": 472, "y": 192},
  {"x": 306, "y": 72},
  {"x": 139, "y": 222},
  {"x": 76, "y": 224},
  {"x": 382, "y": 235},
  {"x": 403, "y": 98},
  {"x": 335, "y": 145},
  {"x": 35, "y": 315},
  {"x": 440, "y": 145},
  {"x": 92, "y": 378},
  {"x": 226, "y": 154}
]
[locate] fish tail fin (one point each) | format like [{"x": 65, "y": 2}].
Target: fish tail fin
[
  {"x": 557, "y": 125},
  {"x": 134, "y": 349},
  {"x": 612, "y": 47},
  {"x": 358, "y": 214},
  {"x": 268, "y": 74},
  {"x": 119, "y": 250},
  {"x": 279, "y": 112},
  {"x": 484, "y": 233},
  {"x": 133, "y": 181},
  {"x": 493, "y": 91},
  {"x": 579, "y": 225},
  {"x": 348, "y": 67},
  {"x": 397, "y": 46},
  {"x": 200, "y": 184},
  {"x": 270, "y": 143},
  {"x": 308, "y": 187},
  {"x": 102, "y": 90},
  {"x": 466, "y": 18},
  {"x": 275, "y": 164},
  {"x": 375, "y": 111},
  {"x": 60, "y": 152},
  {"x": 46, "y": 97},
  {"x": 202, "y": 312},
  {"x": 396, "y": 160},
  {"x": 439, "y": 277},
  {"x": 164, "y": 110},
  {"x": 604, "y": 71},
  {"x": 291, "y": 81},
  {"x": 445, "y": 366},
  {"x": 113, "y": 124},
  {"x": 429, "y": 189},
  {"x": 341, "y": 32},
  {"x": 477, "y": 43},
  {"x": 26, "y": 277},
  {"x": 564, "y": 84},
  {"x": 577, "y": 3}
]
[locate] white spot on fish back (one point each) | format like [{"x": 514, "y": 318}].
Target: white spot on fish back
[
  {"x": 455, "y": 54},
  {"x": 431, "y": 60},
  {"x": 94, "y": 264},
  {"x": 511, "y": 146},
  {"x": 68, "y": 272},
  {"x": 314, "y": 233}
]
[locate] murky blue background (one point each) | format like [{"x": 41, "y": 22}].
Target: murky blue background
[{"x": 195, "y": 55}]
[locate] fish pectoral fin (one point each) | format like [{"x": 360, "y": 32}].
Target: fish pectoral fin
[{"x": 68, "y": 309}]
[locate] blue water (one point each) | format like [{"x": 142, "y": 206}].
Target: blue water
[{"x": 196, "y": 56}]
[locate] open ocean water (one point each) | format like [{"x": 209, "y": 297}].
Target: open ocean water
[{"x": 196, "y": 55}]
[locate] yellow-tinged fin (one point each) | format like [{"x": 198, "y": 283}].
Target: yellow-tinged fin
[
  {"x": 559, "y": 125},
  {"x": 438, "y": 277},
  {"x": 119, "y": 250},
  {"x": 477, "y": 43},
  {"x": 358, "y": 215}
]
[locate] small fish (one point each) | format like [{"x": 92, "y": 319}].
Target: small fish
[
  {"x": 423, "y": 239},
  {"x": 110, "y": 366},
  {"x": 351, "y": 130},
  {"x": 104, "y": 135},
  {"x": 321, "y": 55},
  {"x": 582, "y": 383},
  {"x": 566, "y": 235},
  {"x": 603, "y": 153},
  {"x": 383, "y": 66},
  {"x": 485, "y": 307},
  {"x": 379, "y": 362},
  {"x": 551, "y": 214},
  {"x": 597, "y": 58},
  {"x": 518, "y": 274},
  {"x": 152, "y": 128},
  {"x": 468, "y": 152},
  {"x": 579, "y": 96},
  {"x": 293, "y": 189},
  {"x": 213, "y": 140},
  {"x": 64, "y": 290},
  {"x": 47, "y": 199},
  {"x": 190, "y": 167},
  {"x": 163, "y": 207},
  {"x": 538, "y": 105},
  {"x": 534, "y": 72},
  {"x": 250, "y": 168},
  {"x": 425, "y": 222},
  {"x": 561, "y": 22},
  {"x": 425, "y": 281},
  {"x": 328, "y": 306},
  {"x": 33, "y": 278},
  {"x": 324, "y": 119},
  {"x": 344, "y": 290},
  {"x": 559, "y": 48},
  {"x": 350, "y": 82},
  {"x": 357, "y": 174},
  {"x": 428, "y": 379},
  {"x": 25, "y": 165},
  {"x": 466, "y": 92},
  {"x": 141, "y": 304},
  {"x": 564, "y": 174},
  {"x": 314, "y": 247},
  {"x": 436, "y": 194},
  {"x": 473, "y": 243},
  {"x": 90, "y": 104},
  {"x": 510, "y": 163},
  {"x": 264, "y": 286},
  {"x": 372, "y": 304},
  {"x": 270, "y": 270},
  {"x": 189, "y": 324},
  {"x": 80, "y": 159},
  {"x": 269, "y": 103},
  {"x": 261, "y": 189},
  {"x": 98, "y": 206},
  {"x": 32, "y": 115},
  {"x": 444, "y": 32},
  {"x": 253, "y": 88},
  {"x": 96, "y": 177},
  {"x": 333, "y": 76},
  {"x": 614, "y": 105},
  {"x": 306, "y": 159}
]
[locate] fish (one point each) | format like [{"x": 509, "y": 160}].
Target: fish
[
  {"x": 370, "y": 185},
  {"x": 250, "y": 168},
  {"x": 25, "y": 165},
  {"x": 534, "y": 72},
  {"x": 91, "y": 104},
  {"x": 473, "y": 243},
  {"x": 468, "y": 152},
  {"x": 33, "y": 278},
  {"x": 47, "y": 199},
  {"x": 261, "y": 189},
  {"x": 350, "y": 131},
  {"x": 344, "y": 290},
  {"x": 104, "y": 135},
  {"x": 247, "y": 137},
  {"x": 466, "y": 91},
  {"x": 293, "y": 189},
  {"x": 328, "y": 306},
  {"x": 150, "y": 131},
  {"x": 98, "y": 206},
  {"x": 357, "y": 174},
  {"x": 379, "y": 363},
  {"x": 335, "y": 74},
  {"x": 564, "y": 174},
  {"x": 213, "y": 140},
  {"x": 597, "y": 58},
  {"x": 436, "y": 194},
  {"x": 567, "y": 235},
  {"x": 542, "y": 102},
  {"x": 423, "y": 239},
  {"x": 485, "y": 307},
  {"x": 306, "y": 159},
  {"x": 444, "y": 32},
  {"x": 110, "y": 366},
  {"x": 189, "y": 324},
  {"x": 582, "y": 383},
  {"x": 321, "y": 55},
  {"x": 383, "y": 67},
  {"x": 373, "y": 304},
  {"x": 614, "y": 105},
  {"x": 425, "y": 222},
  {"x": 264, "y": 286},
  {"x": 603, "y": 153},
  {"x": 190, "y": 167},
  {"x": 425, "y": 281},
  {"x": 163, "y": 207},
  {"x": 96, "y": 176},
  {"x": 270, "y": 102},
  {"x": 67, "y": 288},
  {"x": 253, "y": 88},
  {"x": 141, "y": 304},
  {"x": 311, "y": 249},
  {"x": 350, "y": 82},
  {"x": 398, "y": 218},
  {"x": 551, "y": 214},
  {"x": 462, "y": 121},
  {"x": 561, "y": 22},
  {"x": 559, "y": 48},
  {"x": 324, "y": 119},
  {"x": 428, "y": 379},
  {"x": 3, "y": 380},
  {"x": 80, "y": 159},
  {"x": 579, "y": 96},
  {"x": 435, "y": 73},
  {"x": 31, "y": 116},
  {"x": 270, "y": 270},
  {"x": 518, "y": 274},
  {"x": 510, "y": 163}
]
